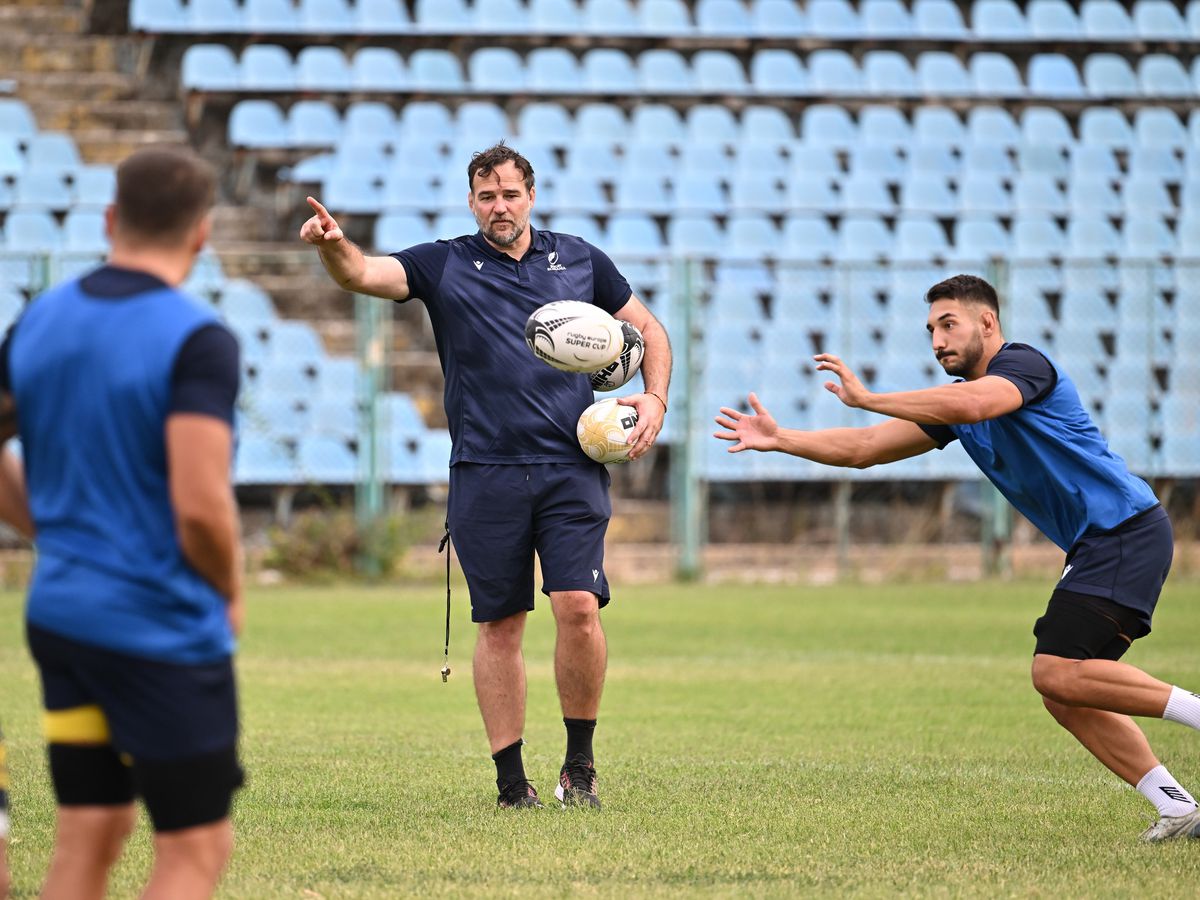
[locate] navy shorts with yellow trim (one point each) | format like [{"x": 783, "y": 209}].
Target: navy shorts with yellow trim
[
  {"x": 501, "y": 514},
  {"x": 120, "y": 725}
]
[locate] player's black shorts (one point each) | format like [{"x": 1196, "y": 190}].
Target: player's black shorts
[
  {"x": 120, "y": 726},
  {"x": 500, "y": 514},
  {"x": 1108, "y": 591}
]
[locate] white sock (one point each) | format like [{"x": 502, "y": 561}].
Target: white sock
[
  {"x": 1168, "y": 796},
  {"x": 1183, "y": 707}
]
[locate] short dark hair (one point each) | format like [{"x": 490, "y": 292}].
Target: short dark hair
[
  {"x": 485, "y": 161},
  {"x": 968, "y": 289},
  {"x": 162, "y": 191}
]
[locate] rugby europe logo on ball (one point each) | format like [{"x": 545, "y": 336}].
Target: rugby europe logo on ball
[{"x": 574, "y": 336}]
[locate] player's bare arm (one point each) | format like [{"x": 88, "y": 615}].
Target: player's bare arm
[
  {"x": 961, "y": 403},
  {"x": 14, "y": 500},
  {"x": 199, "y": 457},
  {"x": 651, "y": 404},
  {"x": 379, "y": 276},
  {"x": 856, "y": 448}
]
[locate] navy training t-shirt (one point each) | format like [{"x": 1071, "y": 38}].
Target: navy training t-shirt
[
  {"x": 503, "y": 404},
  {"x": 1048, "y": 457}
]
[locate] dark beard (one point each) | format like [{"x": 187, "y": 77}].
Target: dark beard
[
  {"x": 505, "y": 240},
  {"x": 962, "y": 363}
]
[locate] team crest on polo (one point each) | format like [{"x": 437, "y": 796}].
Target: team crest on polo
[{"x": 555, "y": 265}]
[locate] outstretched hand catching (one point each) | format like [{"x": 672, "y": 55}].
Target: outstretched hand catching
[
  {"x": 851, "y": 391},
  {"x": 756, "y": 432}
]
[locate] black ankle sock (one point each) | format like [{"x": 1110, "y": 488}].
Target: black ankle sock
[
  {"x": 509, "y": 768},
  {"x": 579, "y": 738}
]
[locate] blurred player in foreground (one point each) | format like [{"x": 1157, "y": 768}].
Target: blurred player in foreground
[
  {"x": 518, "y": 479},
  {"x": 1020, "y": 419},
  {"x": 122, "y": 391}
]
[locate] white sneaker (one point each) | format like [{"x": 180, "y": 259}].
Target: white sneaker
[{"x": 1168, "y": 828}]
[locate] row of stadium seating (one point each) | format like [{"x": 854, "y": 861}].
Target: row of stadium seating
[
  {"x": 991, "y": 20},
  {"x": 663, "y": 71},
  {"x": 421, "y": 131}
]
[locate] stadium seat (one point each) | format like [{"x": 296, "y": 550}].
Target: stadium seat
[
  {"x": 1155, "y": 161},
  {"x": 607, "y": 17},
  {"x": 723, "y": 18},
  {"x": 1043, "y": 159},
  {"x": 656, "y": 123},
  {"x": 833, "y": 71},
  {"x": 987, "y": 159},
  {"x": 209, "y": 67},
  {"x": 269, "y": 17},
  {"x": 634, "y": 234},
  {"x": 862, "y": 239},
  {"x": 500, "y": 17},
  {"x": 325, "y": 460},
  {"x": 52, "y": 151},
  {"x": 397, "y": 231},
  {"x": 938, "y": 20},
  {"x": 663, "y": 71},
  {"x": 214, "y": 17},
  {"x": 490, "y": 66},
  {"x": 878, "y": 160},
  {"x": 1109, "y": 75},
  {"x": 778, "y": 73},
  {"x": 718, "y": 72},
  {"x": 1037, "y": 237},
  {"x": 812, "y": 193},
  {"x": 1046, "y": 126},
  {"x": 1146, "y": 194},
  {"x": 261, "y": 459},
  {"x": 1053, "y": 20},
  {"x": 1093, "y": 195},
  {"x": 919, "y": 238},
  {"x": 940, "y": 74},
  {"x": 256, "y": 124},
  {"x": 381, "y": 17},
  {"x": 1092, "y": 161},
  {"x": 978, "y": 237},
  {"x": 1158, "y": 126},
  {"x": 884, "y": 126},
  {"x": 480, "y": 123},
  {"x": 938, "y": 125},
  {"x": 698, "y": 192},
  {"x": 1038, "y": 192},
  {"x": 1158, "y": 20},
  {"x": 1193, "y": 19},
  {"x": 695, "y": 236},
  {"x": 827, "y": 124},
  {"x": 1146, "y": 237},
  {"x": 1162, "y": 75},
  {"x": 266, "y": 67},
  {"x": 553, "y": 69},
  {"x": 811, "y": 161},
  {"x": 833, "y": 19},
  {"x": 549, "y": 123},
  {"x": 580, "y": 225},
  {"x": 710, "y": 124},
  {"x": 777, "y": 19},
  {"x": 756, "y": 191},
  {"x": 95, "y": 187},
  {"x": 992, "y": 125},
  {"x": 31, "y": 231},
  {"x": 377, "y": 69},
  {"x": 443, "y": 16},
  {"x": 766, "y": 125},
  {"x": 1054, "y": 75},
  {"x": 609, "y": 71},
  {"x": 995, "y": 75},
  {"x": 350, "y": 190},
  {"x": 887, "y": 72},
  {"x": 158, "y": 17},
  {"x": 887, "y": 19},
  {"x": 710, "y": 160},
  {"x": 983, "y": 192},
  {"x": 998, "y": 20},
  {"x": 1105, "y": 126},
  {"x": 664, "y": 18},
  {"x": 435, "y": 70},
  {"x": 83, "y": 232},
  {"x": 555, "y": 17},
  {"x": 427, "y": 120},
  {"x": 1105, "y": 20},
  {"x": 1090, "y": 238},
  {"x": 314, "y": 123},
  {"x": 926, "y": 193}
]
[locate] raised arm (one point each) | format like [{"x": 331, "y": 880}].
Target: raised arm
[
  {"x": 856, "y": 448},
  {"x": 379, "y": 276},
  {"x": 651, "y": 404}
]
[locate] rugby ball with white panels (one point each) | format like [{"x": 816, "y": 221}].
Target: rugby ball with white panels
[
  {"x": 603, "y": 429},
  {"x": 618, "y": 372},
  {"x": 574, "y": 336}
]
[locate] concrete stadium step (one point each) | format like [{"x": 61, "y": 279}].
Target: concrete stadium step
[
  {"x": 36, "y": 88},
  {"x": 81, "y": 54},
  {"x": 41, "y": 18},
  {"x": 110, "y": 147},
  {"x": 116, "y": 115}
]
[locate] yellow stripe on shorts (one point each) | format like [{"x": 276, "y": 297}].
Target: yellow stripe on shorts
[{"x": 78, "y": 725}]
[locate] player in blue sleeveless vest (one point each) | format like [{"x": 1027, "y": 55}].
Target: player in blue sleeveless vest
[
  {"x": 122, "y": 390},
  {"x": 1019, "y": 417},
  {"x": 519, "y": 482}
]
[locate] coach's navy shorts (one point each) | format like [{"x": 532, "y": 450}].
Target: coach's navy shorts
[
  {"x": 1127, "y": 564},
  {"x": 500, "y": 514}
]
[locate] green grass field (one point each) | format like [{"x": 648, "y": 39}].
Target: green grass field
[{"x": 843, "y": 741}]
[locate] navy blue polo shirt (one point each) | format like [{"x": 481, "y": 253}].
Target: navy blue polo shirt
[
  {"x": 503, "y": 404},
  {"x": 1048, "y": 457}
]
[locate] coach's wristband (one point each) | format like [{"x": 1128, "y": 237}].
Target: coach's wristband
[{"x": 659, "y": 399}]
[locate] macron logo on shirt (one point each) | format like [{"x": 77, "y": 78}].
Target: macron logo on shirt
[{"x": 478, "y": 265}]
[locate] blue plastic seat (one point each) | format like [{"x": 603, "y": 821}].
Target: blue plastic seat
[
  {"x": 261, "y": 459},
  {"x": 1035, "y": 236},
  {"x": 888, "y": 19},
  {"x": 83, "y": 232},
  {"x": 377, "y": 69},
  {"x": 987, "y": 158},
  {"x": 664, "y": 71},
  {"x": 813, "y": 194},
  {"x": 1158, "y": 20},
  {"x": 863, "y": 239},
  {"x": 596, "y": 122},
  {"x": 609, "y": 71},
  {"x": 580, "y": 225},
  {"x": 884, "y": 126},
  {"x": 269, "y": 17},
  {"x": 435, "y": 71},
  {"x": 94, "y": 187},
  {"x": 926, "y": 193},
  {"x": 723, "y": 18},
  {"x": 443, "y": 16},
  {"x": 381, "y": 17},
  {"x": 1155, "y": 161},
  {"x": 1162, "y": 75},
  {"x": 766, "y": 125},
  {"x": 209, "y": 67},
  {"x": 1092, "y": 161},
  {"x": 553, "y": 69},
  {"x": 1044, "y": 159},
  {"x": 52, "y": 151},
  {"x": 480, "y": 122},
  {"x": 778, "y": 72},
  {"x": 323, "y": 459},
  {"x": 1146, "y": 237},
  {"x": 1046, "y": 126},
  {"x": 31, "y": 231},
  {"x": 698, "y": 192},
  {"x": 398, "y": 231},
  {"x": 694, "y": 235},
  {"x": 833, "y": 19},
  {"x": 998, "y": 20},
  {"x": 1093, "y": 195},
  {"x": 813, "y": 161},
  {"x": 1053, "y": 20},
  {"x": 369, "y": 121},
  {"x": 833, "y": 71},
  {"x": 16, "y": 120},
  {"x": 1105, "y": 20},
  {"x": 808, "y": 236},
  {"x": 214, "y": 17},
  {"x": 824, "y": 123},
  {"x": 1104, "y": 126},
  {"x": 992, "y": 125},
  {"x": 777, "y": 19},
  {"x": 158, "y": 17},
  {"x": 548, "y": 122},
  {"x": 609, "y": 17},
  {"x": 710, "y": 124},
  {"x": 313, "y": 123},
  {"x": 1054, "y": 75},
  {"x": 938, "y": 124},
  {"x": 663, "y": 18},
  {"x": 938, "y": 19},
  {"x": 940, "y": 74},
  {"x": 1193, "y": 19},
  {"x": 878, "y": 160},
  {"x": 1038, "y": 192},
  {"x": 983, "y": 192},
  {"x": 500, "y": 17},
  {"x": 1146, "y": 195},
  {"x": 427, "y": 119},
  {"x": 488, "y": 66},
  {"x": 1090, "y": 238},
  {"x": 887, "y": 72},
  {"x": 352, "y": 190},
  {"x": 1109, "y": 75},
  {"x": 266, "y": 67},
  {"x": 257, "y": 123},
  {"x": 634, "y": 234},
  {"x": 1159, "y": 126},
  {"x": 580, "y": 195},
  {"x": 710, "y": 160},
  {"x": 979, "y": 237},
  {"x": 718, "y": 72},
  {"x": 919, "y": 238},
  {"x": 995, "y": 75},
  {"x": 754, "y": 191},
  {"x": 406, "y": 189},
  {"x": 555, "y": 17},
  {"x": 759, "y": 160}
]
